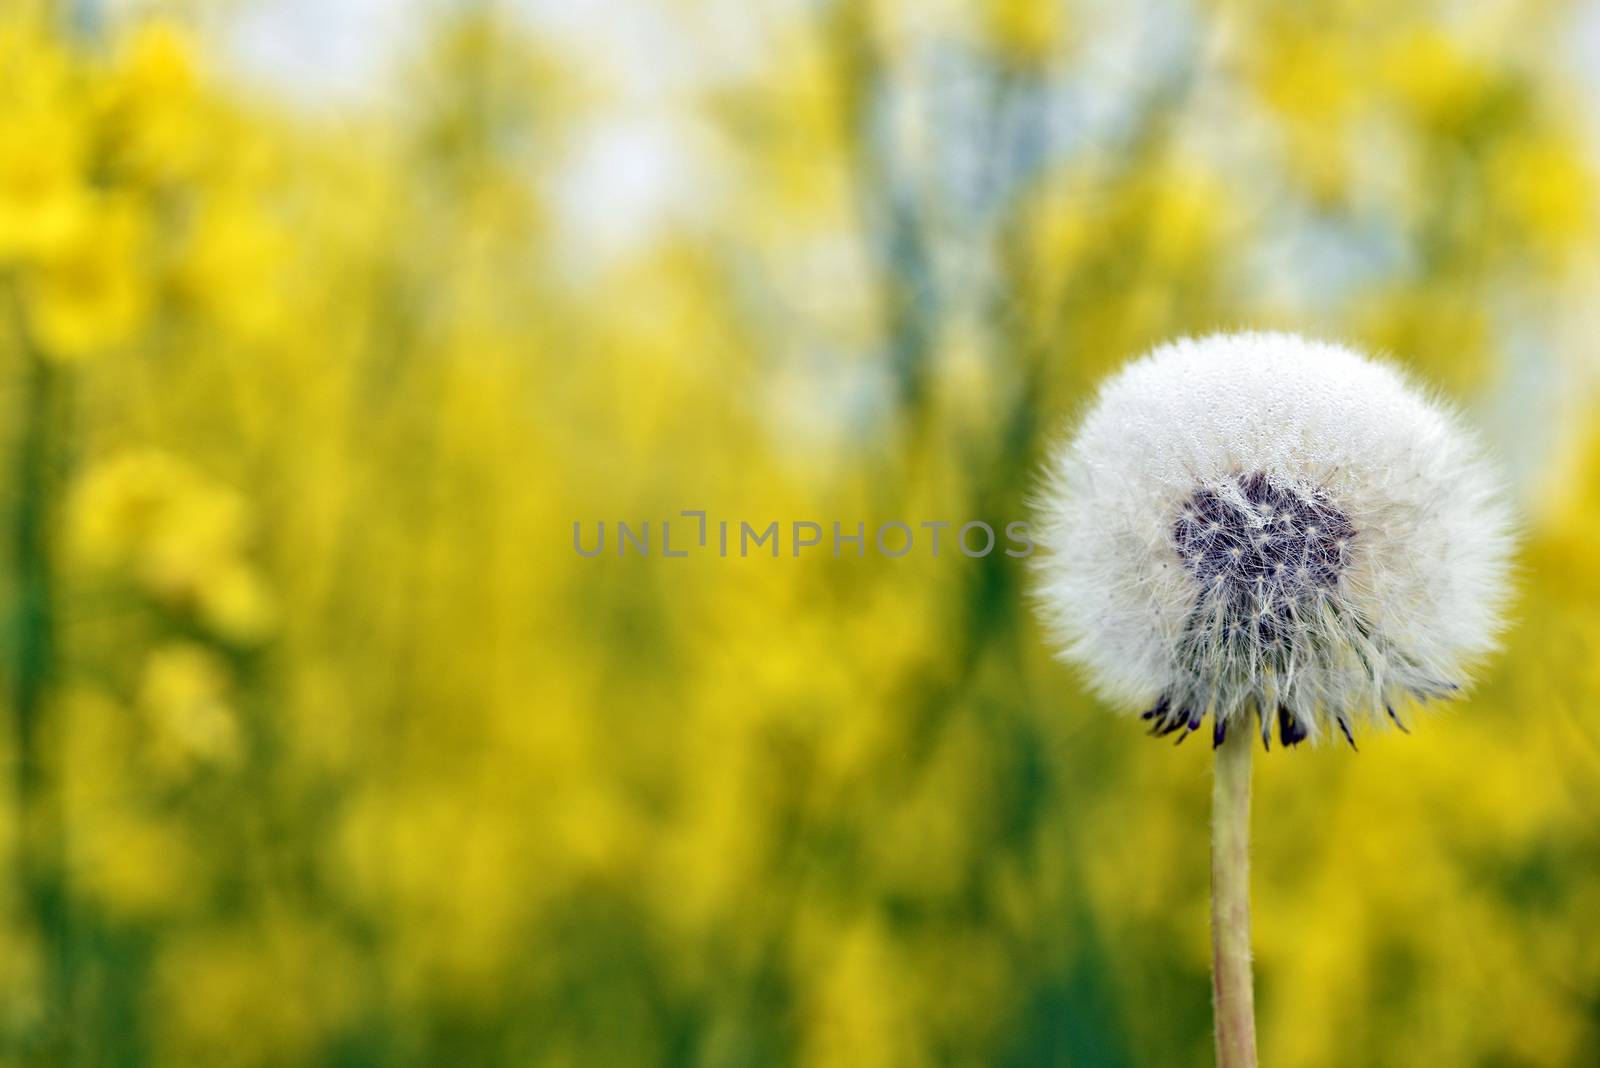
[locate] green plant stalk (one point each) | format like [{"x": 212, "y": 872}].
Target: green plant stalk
[
  {"x": 1233, "y": 990},
  {"x": 40, "y": 857}
]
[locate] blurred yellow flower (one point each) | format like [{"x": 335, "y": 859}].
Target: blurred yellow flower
[
  {"x": 253, "y": 993},
  {"x": 182, "y": 537},
  {"x": 1442, "y": 330},
  {"x": 150, "y": 105},
  {"x": 1434, "y": 78},
  {"x": 89, "y": 294},
  {"x": 43, "y": 201},
  {"x": 858, "y": 1010},
  {"x": 133, "y": 865},
  {"x": 184, "y": 694},
  {"x": 234, "y": 602},
  {"x": 1309, "y": 75},
  {"x": 44, "y": 142},
  {"x": 1544, "y": 188},
  {"x": 130, "y": 857},
  {"x": 1025, "y": 32},
  {"x": 232, "y": 264},
  {"x": 120, "y": 500}
]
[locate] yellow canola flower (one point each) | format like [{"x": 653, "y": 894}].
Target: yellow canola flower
[
  {"x": 1187, "y": 210},
  {"x": 1024, "y": 32},
  {"x": 1433, "y": 78},
  {"x": 800, "y": 121},
  {"x": 1543, "y": 187},
  {"x": 43, "y": 201},
  {"x": 158, "y": 63},
  {"x": 256, "y": 993},
  {"x": 1314, "y": 84},
  {"x": 231, "y": 265},
  {"x": 235, "y": 603},
  {"x": 858, "y": 1011},
  {"x": 43, "y": 145},
  {"x": 117, "y": 502},
  {"x": 184, "y": 695},
  {"x": 1307, "y": 76},
  {"x": 449, "y": 868},
  {"x": 130, "y": 858},
  {"x": 178, "y": 535},
  {"x": 197, "y": 536},
  {"x": 1442, "y": 330},
  {"x": 132, "y": 864},
  {"x": 150, "y": 512},
  {"x": 150, "y": 105},
  {"x": 89, "y": 295}
]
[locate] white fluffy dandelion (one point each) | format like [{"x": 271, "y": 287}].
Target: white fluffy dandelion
[{"x": 1260, "y": 524}]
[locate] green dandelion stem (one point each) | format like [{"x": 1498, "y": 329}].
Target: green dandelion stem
[{"x": 1231, "y": 983}]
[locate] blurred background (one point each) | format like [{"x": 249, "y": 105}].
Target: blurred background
[{"x": 322, "y": 323}]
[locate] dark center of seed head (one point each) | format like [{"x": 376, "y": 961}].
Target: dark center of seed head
[
  {"x": 1260, "y": 551},
  {"x": 1259, "y": 543}
]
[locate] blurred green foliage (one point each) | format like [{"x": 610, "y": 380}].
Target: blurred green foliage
[{"x": 327, "y": 748}]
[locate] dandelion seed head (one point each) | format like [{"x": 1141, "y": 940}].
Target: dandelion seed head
[{"x": 1262, "y": 525}]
